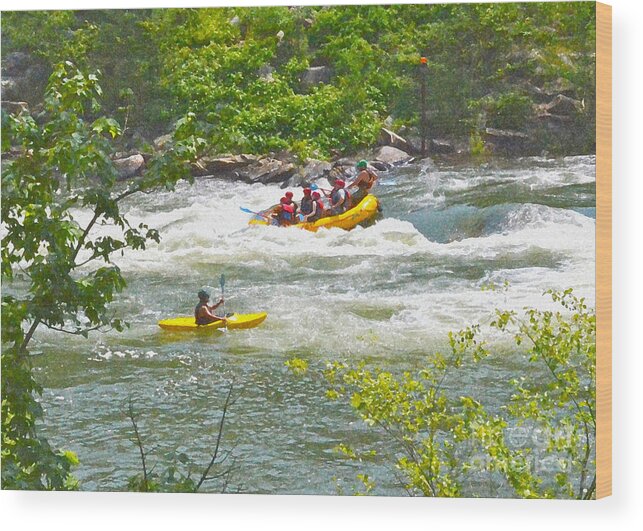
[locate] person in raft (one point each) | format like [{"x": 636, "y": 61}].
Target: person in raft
[
  {"x": 289, "y": 201},
  {"x": 203, "y": 313},
  {"x": 363, "y": 182},
  {"x": 316, "y": 208},
  {"x": 340, "y": 200},
  {"x": 285, "y": 212},
  {"x": 306, "y": 204}
]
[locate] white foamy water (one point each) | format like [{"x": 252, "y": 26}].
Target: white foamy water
[{"x": 391, "y": 291}]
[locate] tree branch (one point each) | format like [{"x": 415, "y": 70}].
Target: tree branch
[
  {"x": 139, "y": 443},
  {"x": 227, "y": 403}
]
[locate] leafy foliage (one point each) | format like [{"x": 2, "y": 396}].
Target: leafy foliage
[
  {"x": 444, "y": 444},
  {"x": 62, "y": 274},
  {"x": 240, "y": 69}
]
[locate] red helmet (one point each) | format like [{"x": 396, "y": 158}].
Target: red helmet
[
  {"x": 340, "y": 183},
  {"x": 283, "y": 200},
  {"x": 307, "y": 191},
  {"x": 316, "y": 195},
  {"x": 289, "y": 195}
]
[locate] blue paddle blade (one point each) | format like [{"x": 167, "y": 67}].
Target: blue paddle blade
[
  {"x": 313, "y": 187},
  {"x": 247, "y": 210}
]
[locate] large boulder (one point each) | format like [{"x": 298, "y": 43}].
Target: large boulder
[
  {"x": 391, "y": 155},
  {"x": 510, "y": 142},
  {"x": 441, "y": 147},
  {"x": 389, "y": 138},
  {"x": 24, "y": 77},
  {"x": 129, "y": 167},
  {"x": 268, "y": 171},
  {"x": 315, "y": 75},
  {"x": 229, "y": 166}
]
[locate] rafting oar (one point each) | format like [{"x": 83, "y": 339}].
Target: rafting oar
[
  {"x": 315, "y": 187},
  {"x": 248, "y": 211}
]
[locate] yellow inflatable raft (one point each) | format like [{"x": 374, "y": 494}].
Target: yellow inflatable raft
[{"x": 365, "y": 210}]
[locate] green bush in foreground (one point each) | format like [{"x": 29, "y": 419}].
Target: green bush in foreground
[
  {"x": 447, "y": 443},
  {"x": 59, "y": 271}
]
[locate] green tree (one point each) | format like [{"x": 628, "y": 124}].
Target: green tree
[
  {"x": 443, "y": 444},
  {"x": 58, "y": 271}
]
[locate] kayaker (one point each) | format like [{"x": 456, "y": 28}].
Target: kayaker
[
  {"x": 203, "y": 313},
  {"x": 306, "y": 203},
  {"x": 363, "y": 182},
  {"x": 339, "y": 198},
  {"x": 317, "y": 208}
]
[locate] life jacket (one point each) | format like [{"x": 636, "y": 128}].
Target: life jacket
[
  {"x": 319, "y": 212},
  {"x": 334, "y": 197},
  {"x": 287, "y": 212}
]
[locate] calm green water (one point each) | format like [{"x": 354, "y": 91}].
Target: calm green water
[{"x": 388, "y": 293}]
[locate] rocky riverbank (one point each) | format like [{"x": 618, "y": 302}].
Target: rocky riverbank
[{"x": 554, "y": 116}]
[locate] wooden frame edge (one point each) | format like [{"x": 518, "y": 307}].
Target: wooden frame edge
[{"x": 603, "y": 250}]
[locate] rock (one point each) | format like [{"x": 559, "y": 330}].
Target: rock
[
  {"x": 563, "y": 105},
  {"x": 315, "y": 75},
  {"x": 280, "y": 35},
  {"x": 130, "y": 166},
  {"x": 441, "y": 147},
  {"x": 315, "y": 169},
  {"x": 223, "y": 166},
  {"x": 307, "y": 22},
  {"x": 380, "y": 166},
  {"x": 391, "y": 155},
  {"x": 265, "y": 73},
  {"x": 388, "y": 123},
  {"x": 234, "y": 21},
  {"x": 10, "y": 89},
  {"x": 268, "y": 171},
  {"x": 163, "y": 141},
  {"x": 509, "y": 141},
  {"x": 15, "y": 63},
  {"x": 389, "y": 138},
  {"x": 15, "y": 107}
]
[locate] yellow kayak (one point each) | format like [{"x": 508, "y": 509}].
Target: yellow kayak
[
  {"x": 235, "y": 321},
  {"x": 365, "y": 210}
]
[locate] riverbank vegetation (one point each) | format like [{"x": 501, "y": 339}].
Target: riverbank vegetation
[
  {"x": 64, "y": 267},
  {"x": 321, "y": 81},
  {"x": 442, "y": 438},
  {"x": 243, "y": 80}
]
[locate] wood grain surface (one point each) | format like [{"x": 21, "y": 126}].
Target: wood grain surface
[{"x": 603, "y": 250}]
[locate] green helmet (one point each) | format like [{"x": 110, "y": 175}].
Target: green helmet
[{"x": 362, "y": 164}]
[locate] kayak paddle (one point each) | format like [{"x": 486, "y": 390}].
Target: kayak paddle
[{"x": 222, "y": 284}]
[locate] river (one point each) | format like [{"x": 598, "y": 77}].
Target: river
[{"x": 387, "y": 294}]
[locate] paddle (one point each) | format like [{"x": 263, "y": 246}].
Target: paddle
[
  {"x": 222, "y": 284},
  {"x": 315, "y": 187},
  {"x": 248, "y": 211}
]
